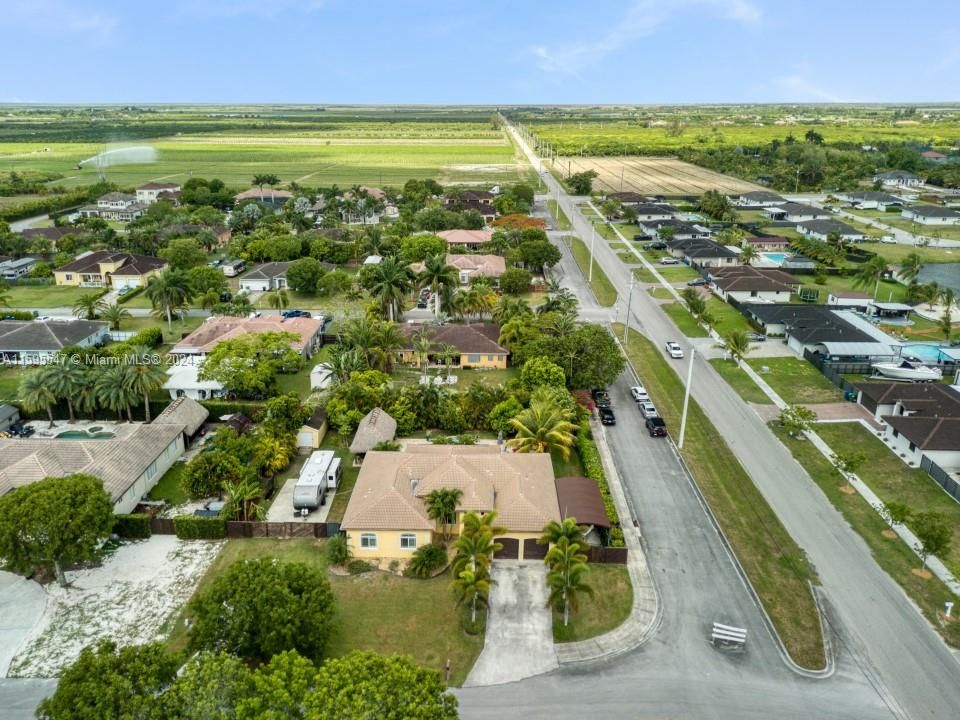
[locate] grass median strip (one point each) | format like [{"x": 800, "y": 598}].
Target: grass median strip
[
  {"x": 775, "y": 564},
  {"x": 557, "y": 213},
  {"x": 602, "y": 288},
  {"x": 891, "y": 553}
]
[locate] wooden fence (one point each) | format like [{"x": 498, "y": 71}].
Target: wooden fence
[
  {"x": 257, "y": 529},
  {"x": 607, "y": 555}
]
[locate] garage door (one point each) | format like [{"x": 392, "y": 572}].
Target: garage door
[
  {"x": 532, "y": 550},
  {"x": 510, "y": 549}
]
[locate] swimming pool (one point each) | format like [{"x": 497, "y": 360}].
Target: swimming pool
[
  {"x": 777, "y": 258},
  {"x": 83, "y": 435},
  {"x": 926, "y": 352}
]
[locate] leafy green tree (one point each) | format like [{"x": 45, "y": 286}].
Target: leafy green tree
[
  {"x": 208, "y": 472},
  {"x": 284, "y": 414},
  {"x": 716, "y": 205},
  {"x": 538, "y": 254},
  {"x": 248, "y": 365},
  {"x": 111, "y": 683},
  {"x": 281, "y": 688},
  {"x": 204, "y": 279},
  {"x": 543, "y": 427},
  {"x": 115, "y": 314},
  {"x": 35, "y": 394},
  {"x": 581, "y": 183},
  {"x": 242, "y": 500},
  {"x": 334, "y": 283},
  {"x": 212, "y": 685},
  {"x": 364, "y": 685},
  {"x": 259, "y": 608},
  {"x": 566, "y": 578},
  {"x": 338, "y": 550},
  {"x": 934, "y": 533},
  {"x": 738, "y": 343},
  {"x": 516, "y": 281},
  {"x": 539, "y": 371},
  {"x": 183, "y": 254},
  {"x": 508, "y": 308},
  {"x": 502, "y": 413},
  {"x": 416, "y": 248},
  {"x": 54, "y": 522},
  {"x": 89, "y": 306},
  {"x": 897, "y": 513},
  {"x": 848, "y": 463},
  {"x": 303, "y": 275},
  {"x": 169, "y": 290},
  {"x": 796, "y": 419}
]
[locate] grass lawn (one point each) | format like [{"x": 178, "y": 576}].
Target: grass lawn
[
  {"x": 608, "y": 608},
  {"x": 465, "y": 378},
  {"x": 677, "y": 273},
  {"x": 683, "y": 320},
  {"x": 180, "y": 327},
  {"x": 339, "y": 305},
  {"x": 168, "y": 488},
  {"x": 10, "y": 383},
  {"x": 892, "y": 480},
  {"x": 606, "y": 232},
  {"x": 643, "y": 275},
  {"x": 774, "y": 563},
  {"x": 559, "y": 216},
  {"x": 570, "y": 467},
  {"x": 660, "y": 293},
  {"x": 347, "y": 482},
  {"x": 375, "y": 611},
  {"x": 922, "y": 329},
  {"x": 738, "y": 379},
  {"x": 602, "y": 288},
  {"x": 796, "y": 381},
  {"x": 947, "y": 232},
  {"x": 727, "y": 318},
  {"x": 892, "y": 554},
  {"x": 888, "y": 291},
  {"x": 45, "y": 296}
]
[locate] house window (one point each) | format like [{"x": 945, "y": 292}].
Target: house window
[
  {"x": 896, "y": 433},
  {"x": 473, "y": 358},
  {"x": 152, "y": 470},
  {"x": 68, "y": 277},
  {"x": 368, "y": 541},
  {"x": 912, "y": 447},
  {"x": 490, "y": 358},
  {"x": 408, "y": 541}
]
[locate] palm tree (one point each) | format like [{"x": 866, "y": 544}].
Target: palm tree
[
  {"x": 543, "y": 427},
  {"x": 447, "y": 353},
  {"x": 475, "y": 552},
  {"x": 115, "y": 314},
  {"x": 169, "y": 290},
  {"x": 472, "y": 587},
  {"x": 442, "y": 507},
  {"x": 738, "y": 343},
  {"x": 392, "y": 281},
  {"x": 508, "y": 308},
  {"x": 63, "y": 378},
  {"x": 561, "y": 324},
  {"x": 145, "y": 377},
  {"x": 748, "y": 254},
  {"x": 35, "y": 394},
  {"x": 946, "y": 320},
  {"x": 870, "y": 273},
  {"x": 422, "y": 345},
  {"x": 114, "y": 391},
  {"x": 88, "y": 306},
  {"x": 209, "y": 299},
  {"x": 568, "y": 529},
  {"x": 277, "y": 299},
  {"x": 568, "y": 566},
  {"x": 911, "y": 266},
  {"x": 342, "y": 361},
  {"x": 272, "y": 455},
  {"x": 436, "y": 274},
  {"x": 476, "y": 524},
  {"x": 266, "y": 179},
  {"x": 478, "y": 299}
]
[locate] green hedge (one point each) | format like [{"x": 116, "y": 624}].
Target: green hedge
[
  {"x": 191, "y": 527},
  {"x": 130, "y": 295},
  {"x": 134, "y": 526},
  {"x": 52, "y": 203},
  {"x": 593, "y": 469},
  {"x": 17, "y": 314}
]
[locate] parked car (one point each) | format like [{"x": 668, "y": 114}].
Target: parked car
[
  {"x": 43, "y": 318},
  {"x": 756, "y": 337},
  {"x": 294, "y": 313},
  {"x": 669, "y": 261},
  {"x": 648, "y": 410},
  {"x": 656, "y": 427},
  {"x": 639, "y": 393},
  {"x": 607, "y": 417},
  {"x": 656, "y": 245},
  {"x": 674, "y": 350},
  {"x": 888, "y": 240},
  {"x": 696, "y": 282},
  {"x": 601, "y": 398},
  {"x": 639, "y": 237}
]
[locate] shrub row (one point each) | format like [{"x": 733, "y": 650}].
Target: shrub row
[
  {"x": 593, "y": 469},
  {"x": 190, "y": 527},
  {"x": 130, "y": 295},
  {"x": 135, "y": 526},
  {"x": 56, "y": 202},
  {"x": 18, "y": 314}
]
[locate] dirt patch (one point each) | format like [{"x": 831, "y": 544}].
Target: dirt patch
[
  {"x": 653, "y": 175},
  {"x": 922, "y": 573},
  {"x": 889, "y": 534},
  {"x": 847, "y": 489}
]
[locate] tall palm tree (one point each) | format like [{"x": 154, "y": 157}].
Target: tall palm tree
[
  {"x": 566, "y": 579},
  {"x": 567, "y": 528},
  {"x": 911, "y": 266},
  {"x": 436, "y": 274},
  {"x": 472, "y": 587},
  {"x": 748, "y": 254},
  {"x": 474, "y": 552},
  {"x": 870, "y": 273},
  {"x": 543, "y": 427},
  {"x": 115, "y": 314},
  {"x": 447, "y": 353},
  {"x": 389, "y": 340},
  {"x": 422, "y": 345},
  {"x": 64, "y": 378},
  {"x": 89, "y": 306},
  {"x": 35, "y": 394},
  {"x": 508, "y": 308},
  {"x": 442, "y": 507},
  {"x": 476, "y": 524},
  {"x": 738, "y": 343},
  {"x": 479, "y": 299},
  {"x": 561, "y": 324},
  {"x": 277, "y": 299},
  {"x": 392, "y": 281},
  {"x": 114, "y": 391},
  {"x": 145, "y": 377},
  {"x": 342, "y": 361},
  {"x": 948, "y": 298},
  {"x": 169, "y": 290}
]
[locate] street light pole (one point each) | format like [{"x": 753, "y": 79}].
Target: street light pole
[
  {"x": 686, "y": 398},
  {"x": 626, "y": 322},
  {"x": 593, "y": 238}
]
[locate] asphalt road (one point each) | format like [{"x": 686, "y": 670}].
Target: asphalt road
[{"x": 905, "y": 659}]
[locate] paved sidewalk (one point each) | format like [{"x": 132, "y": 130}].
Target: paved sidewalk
[{"x": 645, "y": 613}]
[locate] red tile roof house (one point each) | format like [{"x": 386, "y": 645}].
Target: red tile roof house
[{"x": 466, "y": 239}]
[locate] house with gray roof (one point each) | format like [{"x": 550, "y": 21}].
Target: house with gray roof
[
  {"x": 822, "y": 229},
  {"x": 795, "y": 212},
  {"x": 759, "y": 198},
  {"x": 33, "y": 342},
  {"x": 898, "y": 178},
  {"x": 870, "y": 199},
  {"x": 266, "y": 276},
  {"x": 931, "y": 215}
]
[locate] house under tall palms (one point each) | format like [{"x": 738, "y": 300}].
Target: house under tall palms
[{"x": 470, "y": 346}]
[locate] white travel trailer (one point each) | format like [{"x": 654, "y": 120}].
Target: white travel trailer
[{"x": 321, "y": 472}]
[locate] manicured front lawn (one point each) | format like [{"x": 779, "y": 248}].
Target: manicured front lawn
[
  {"x": 796, "y": 380},
  {"x": 571, "y": 467},
  {"x": 375, "y": 611},
  {"x": 181, "y": 327},
  {"x": 892, "y": 480},
  {"x": 738, "y": 379},
  {"x": 168, "y": 488},
  {"x": 46, "y": 296},
  {"x": 10, "y": 383},
  {"x": 774, "y": 563},
  {"x": 727, "y": 318},
  {"x": 602, "y": 288},
  {"x": 607, "y": 609},
  {"x": 892, "y": 554},
  {"x": 683, "y": 320},
  {"x": 677, "y": 273}
]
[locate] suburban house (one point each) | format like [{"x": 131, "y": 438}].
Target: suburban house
[
  {"x": 931, "y": 215},
  {"x": 651, "y": 212},
  {"x": 822, "y": 229},
  {"x": 151, "y": 192},
  {"x": 53, "y": 234},
  {"x": 919, "y": 419},
  {"x": 9, "y": 416},
  {"x": 109, "y": 269},
  {"x": 16, "y": 269},
  {"x": 485, "y": 210},
  {"x": 466, "y": 239},
  {"x": 221, "y": 232},
  {"x": 115, "y": 206},
  {"x": 376, "y": 427},
  {"x": 471, "y": 267},
  {"x": 386, "y": 518},
  {"x": 932, "y": 156},
  {"x": 478, "y": 197},
  {"x": 266, "y": 276},
  {"x": 759, "y": 198},
  {"x": 627, "y": 197},
  {"x": 681, "y": 230},
  {"x": 218, "y": 328},
  {"x": 898, "y": 178},
  {"x": 870, "y": 199},
  {"x": 32, "y": 342},
  {"x": 768, "y": 243},
  {"x": 702, "y": 253},
  {"x": 474, "y": 346},
  {"x": 850, "y": 299},
  {"x": 269, "y": 196},
  {"x": 129, "y": 464},
  {"x": 183, "y": 381},
  {"x": 795, "y": 212},
  {"x": 746, "y": 283}
]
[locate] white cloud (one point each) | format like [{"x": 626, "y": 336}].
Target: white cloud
[{"x": 641, "y": 20}]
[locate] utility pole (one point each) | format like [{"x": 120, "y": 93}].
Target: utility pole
[
  {"x": 797, "y": 188},
  {"x": 593, "y": 238},
  {"x": 686, "y": 398},
  {"x": 626, "y": 322}
]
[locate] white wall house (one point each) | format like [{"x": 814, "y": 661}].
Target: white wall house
[
  {"x": 910, "y": 446},
  {"x": 898, "y": 178},
  {"x": 268, "y": 276},
  {"x": 931, "y": 215},
  {"x": 145, "y": 482},
  {"x": 147, "y": 194},
  {"x": 183, "y": 381}
]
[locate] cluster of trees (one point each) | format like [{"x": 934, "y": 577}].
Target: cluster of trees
[
  {"x": 475, "y": 548},
  {"x": 248, "y": 365},
  {"x": 567, "y": 566},
  {"x": 716, "y": 205},
  {"x": 581, "y": 183}
]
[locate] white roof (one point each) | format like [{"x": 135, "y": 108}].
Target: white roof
[
  {"x": 891, "y": 306},
  {"x": 183, "y": 376},
  {"x": 373, "y": 260},
  {"x": 858, "y": 348}
]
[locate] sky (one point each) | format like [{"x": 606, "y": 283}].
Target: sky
[{"x": 488, "y": 52}]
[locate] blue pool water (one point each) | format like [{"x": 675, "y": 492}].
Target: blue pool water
[
  {"x": 775, "y": 257},
  {"x": 926, "y": 353}
]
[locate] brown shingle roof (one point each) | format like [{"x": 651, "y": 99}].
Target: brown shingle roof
[
  {"x": 478, "y": 338},
  {"x": 132, "y": 264},
  {"x": 928, "y": 433},
  {"x": 580, "y": 498}
]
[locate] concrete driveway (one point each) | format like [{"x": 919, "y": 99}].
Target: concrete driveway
[
  {"x": 282, "y": 508},
  {"x": 519, "y": 639},
  {"x": 22, "y": 603}
]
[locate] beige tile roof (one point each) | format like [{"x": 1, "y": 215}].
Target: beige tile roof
[
  {"x": 492, "y": 266},
  {"x": 219, "y": 328},
  {"x": 466, "y": 237},
  {"x": 391, "y": 487},
  {"x": 185, "y": 412}
]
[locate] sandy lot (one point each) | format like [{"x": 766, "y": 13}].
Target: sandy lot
[
  {"x": 653, "y": 175},
  {"x": 129, "y": 599}
]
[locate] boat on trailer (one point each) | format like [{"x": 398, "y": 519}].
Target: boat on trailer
[{"x": 906, "y": 370}]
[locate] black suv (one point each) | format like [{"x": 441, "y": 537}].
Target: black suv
[
  {"x": 656, "y": 427},
  {"x": 607, "y": 417},
  {"x": 600, "y": 398}
]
